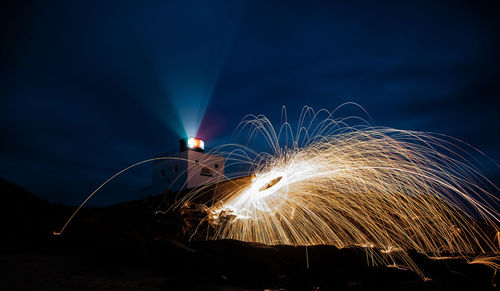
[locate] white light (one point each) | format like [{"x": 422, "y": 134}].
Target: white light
[
  {"x": 195, "y": 143},
  {"x": 267, "y": 184}
]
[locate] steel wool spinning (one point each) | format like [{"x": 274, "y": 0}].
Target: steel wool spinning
[{"x": 342, "y": 185}]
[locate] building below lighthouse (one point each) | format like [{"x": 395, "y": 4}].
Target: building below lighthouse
[{"x": 190, "y": 167}]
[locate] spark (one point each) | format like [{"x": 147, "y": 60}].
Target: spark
[
  {"x": 387, "y": 190},
  {"x": 393, "y": 190}
]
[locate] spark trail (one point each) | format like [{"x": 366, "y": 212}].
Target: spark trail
[
  {"x": 341, "y": 185},
  {"x": 327, "y": 182}
]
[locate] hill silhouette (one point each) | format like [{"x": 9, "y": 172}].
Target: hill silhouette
[{"x": 127, "y": 247}]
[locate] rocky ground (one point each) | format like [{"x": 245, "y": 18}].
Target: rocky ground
[{"x": 128, "y": 247}]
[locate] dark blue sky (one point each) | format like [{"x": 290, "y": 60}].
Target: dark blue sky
[{"x": 89, "y": 88}]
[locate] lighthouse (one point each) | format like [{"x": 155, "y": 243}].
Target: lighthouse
[{"x": 190, "y": 167}]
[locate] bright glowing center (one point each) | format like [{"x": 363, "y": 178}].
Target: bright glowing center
[
  {"x": 195, "y": 143},
  {"x": 267, "y": 184}
]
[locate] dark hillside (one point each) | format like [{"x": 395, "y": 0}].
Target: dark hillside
[{"x": 127, "y": 247}]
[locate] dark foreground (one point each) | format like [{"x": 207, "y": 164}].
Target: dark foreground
[{"x": 127, "y": 247}]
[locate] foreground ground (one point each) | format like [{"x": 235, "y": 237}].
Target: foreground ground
[{"x": 127, "y": 247}]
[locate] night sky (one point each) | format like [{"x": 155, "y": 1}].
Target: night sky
[{"x": 89, "y": 88}]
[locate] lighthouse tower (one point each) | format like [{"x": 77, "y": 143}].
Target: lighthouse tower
[{"x": 190, "y": 167}]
